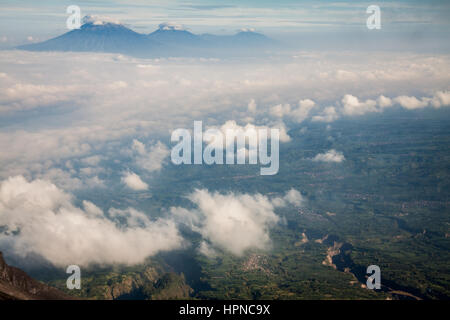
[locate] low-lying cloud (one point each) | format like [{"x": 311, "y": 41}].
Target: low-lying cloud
[
  {"x": 233, "y": 222},
  {"x": 297, "y": 114},
  {"x": 152, "y": 158},
  {"x": 112, "y": 99},
  {"x": 133, "y": 181},
  {"x": 329, "y": 156},
  {"x": 41, "y": 219}
]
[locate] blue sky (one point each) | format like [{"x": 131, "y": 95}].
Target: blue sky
[{"x": 26, "y": 20}]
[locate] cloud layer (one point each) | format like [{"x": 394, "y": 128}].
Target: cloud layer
[
  {"x": 77, "y": 121},
  {"x": 42, "y": 219},
  {"x": 38, "y": 218},
  {"x": 112, "y": 100}
]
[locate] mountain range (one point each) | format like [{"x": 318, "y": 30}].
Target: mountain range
[{"x": 166, "y": 41}]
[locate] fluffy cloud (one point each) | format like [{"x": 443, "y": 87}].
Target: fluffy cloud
[
  {"x": 303, "y": 110},
  {"x": 329, "y": 114},
  {"x": 411, "y": 102},
  {"x": 294, "y": 197},
  {"x": 207, "y": 250},
  {"x": 298, "y": 114},
  {"x": 233, "y": 222},
  {"x": 280, "y": 110},
  {"x": 249, "y": 128},
  {"x": 352, "y": 105},
  {"x": 41, "y": 219},
  {"x": 329, "y": 156},
  {"x": 384, "y": 102},
  {"x": 133, "y": 181},
  {"x": 151, "y": 159},
  {"x": 440, "y": 99}
]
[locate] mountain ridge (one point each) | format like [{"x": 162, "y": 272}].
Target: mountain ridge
[
  {"x": 15, "y": 284},
  {"x": 112, "y": 37}
]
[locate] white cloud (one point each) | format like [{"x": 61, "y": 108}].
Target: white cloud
[
  {"x": 345, "y": 75},
  {"x": 352, "y": 105},
  {"x": 207, "y": 250},
  {"x": 329, "y": 114},
  {"x": 23, "y": 96},
  {"x": 440, "y": 99},
  {"x": 133, "y": 181},
  {"x": 233, "y": 222},
  {"x": 294, "y": 197},
  {"x": 384, "y": 102},
  {"x": 152, "y": 159},
  {"x": 91, "y": 209},
  {"x": 247, "y": 29},
  {"x": 139, "y": 147},
  {"x": 411, "y": 103},
  {"x": 250, "y": 129},
  {"x": 50, "y": 225},
  {"x": 280, "y": 110},
  {"x": 298, "y": 114},
  {"x": 304, "y": 108},
  {"x": 117, "y": 85},
  {"x": 251, "y": 106},
  {"x": 329, "y": 156}
]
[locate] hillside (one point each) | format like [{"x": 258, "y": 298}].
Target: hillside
[{"x": 15, "y": 284}]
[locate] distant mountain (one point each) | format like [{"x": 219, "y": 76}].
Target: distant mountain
[
  {"x": 108, "y": 37},
  {"x": 251, "y": 37},
  {"x": 240, "y": 38},
  {"x": 171, "y": 35},
  {"x": 167, "y": 40},
  {"x": 15, "y": 284}
]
